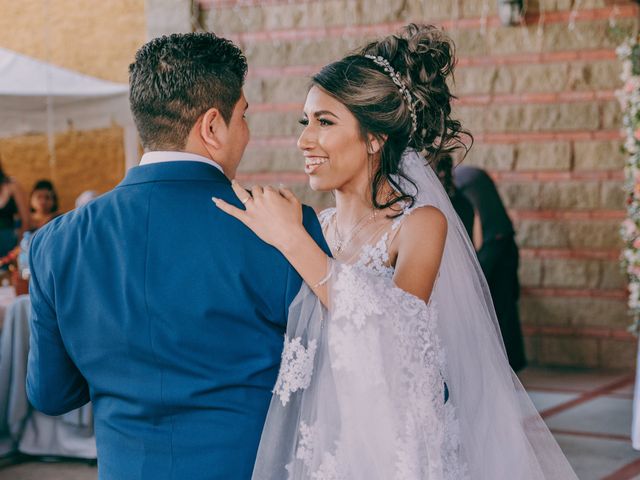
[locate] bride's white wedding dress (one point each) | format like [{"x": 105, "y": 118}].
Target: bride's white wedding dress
[{"x": 384, "y": 386}]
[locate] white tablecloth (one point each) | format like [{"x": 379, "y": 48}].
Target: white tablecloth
[
  {"x": 7, "y": 295},
  {"x": 21, "y": 427}
]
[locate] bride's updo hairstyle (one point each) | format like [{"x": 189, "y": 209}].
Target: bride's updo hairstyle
[{"x": 423, "y": 57}]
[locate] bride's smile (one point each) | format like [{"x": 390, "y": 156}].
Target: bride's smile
[{"x": 311, "y": 163}]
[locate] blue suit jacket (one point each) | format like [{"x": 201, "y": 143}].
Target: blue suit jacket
[{"x": 169, "y": 316}]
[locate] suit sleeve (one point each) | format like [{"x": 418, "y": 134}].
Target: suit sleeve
[
  {"x": 54, "y": 384},
  {"x": 312, "y": 226}
]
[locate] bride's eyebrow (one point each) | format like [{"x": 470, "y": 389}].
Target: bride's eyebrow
[{"x": 325, "y": 112}]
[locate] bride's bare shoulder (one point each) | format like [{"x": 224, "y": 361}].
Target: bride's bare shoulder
[{"x": 424, "y": 225}]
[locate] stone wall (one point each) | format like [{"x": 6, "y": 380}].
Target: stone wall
[
  {"x": 94, "y": 38},
  {"x": 539, "y": 100}
]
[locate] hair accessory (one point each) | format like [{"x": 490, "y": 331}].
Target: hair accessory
[{"x": 404, "y": 91}]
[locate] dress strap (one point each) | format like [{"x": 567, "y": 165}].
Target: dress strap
[
  {"x": 397, "y": 223},
  {"x": 325, "y": 216}
]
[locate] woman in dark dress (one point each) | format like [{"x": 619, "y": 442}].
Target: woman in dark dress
[
  {"x": 14, "y": 212},
  {"x": 498, "y": 256}
]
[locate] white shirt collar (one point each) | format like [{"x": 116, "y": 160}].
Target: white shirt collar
[{"x": 167, "y": 156}]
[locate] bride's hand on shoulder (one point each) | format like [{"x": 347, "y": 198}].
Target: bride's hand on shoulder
[{"x": 274, "y": 214}]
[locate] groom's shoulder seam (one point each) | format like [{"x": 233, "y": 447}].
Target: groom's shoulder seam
[{"x": 172, "y": 180}]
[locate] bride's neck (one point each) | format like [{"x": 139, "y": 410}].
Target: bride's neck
[{"x": 352, "y": 205}]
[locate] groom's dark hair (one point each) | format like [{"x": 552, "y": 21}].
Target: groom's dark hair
[{"x": 175, "y": 79}]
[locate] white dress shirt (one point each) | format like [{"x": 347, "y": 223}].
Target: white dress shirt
[{"x": 159, "y": 157}]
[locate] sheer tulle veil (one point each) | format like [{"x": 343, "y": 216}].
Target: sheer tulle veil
[
  {"x": 329, "y": 420},
  {"x": 502, "y": 434}
]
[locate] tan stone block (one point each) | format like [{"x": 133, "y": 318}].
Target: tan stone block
[
  {"x": 524, "y": 195},
  {"x": 598, "y": 75},
  {"x": 598, "y": 155},
  {"x": 478, "y": 9},
  {"x": 269, "y": 54},
  {"x": 284, "y": 89},
  {"x": 382, "y": 11},
  {"x": 165, "y": 17},
  {"x": 540, "y": 117},
  {"x": 589, "y": 3},
  {"x": 612, "y": 275},
  {"x": 537, "y": 233},
  {"x": 312, "y": 51},
  {"x": 570, "y": 195},
  {"x": 598, "y": 312},
  {"x": 470, "y": 42},
  {"x": 547, "y": 5},
  {"x": 531, "y": 348},
  {"x": 570, "y": 273},
  {"x": 260, "y": 159},
  {"x": 545, "y": 311},
  {"x": 568, "y": 234},
  {"x": 482, "y": 80},
  {"x": 611, "y": 116},
  {"x": 577, "y": 312},
  {"x": 550, "y": 77},
  {"x": 472, "y": 118},
  {"x": 612, "y": 195},
  {"x": 324, "y": 14},
  {"x": 223, "y": 21},
  {"x": 267, "y": 124},
  {"x": 594, "y": 234},
  {"x": 500, "y": 40},
  {"x": 586, "y": 35},
  {"x": 491, "y": 157},
  {"x": 618, "y": 354},
  {"x": 328, "y": 13},
  {"x": 543, "y": 156},
  {"x": 530, "y": 272},
  {"x": 567, "y": 351}
]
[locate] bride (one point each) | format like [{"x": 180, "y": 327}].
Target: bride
[{"x": 393, "y": 366}]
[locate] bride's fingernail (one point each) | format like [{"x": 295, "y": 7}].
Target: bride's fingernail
[{"x": 214, "y": 199}]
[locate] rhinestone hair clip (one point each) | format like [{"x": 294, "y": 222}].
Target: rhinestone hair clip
[{"x": 404, "y": 91}]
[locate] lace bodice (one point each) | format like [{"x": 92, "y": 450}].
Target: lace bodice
[{"x": 374, "y": 252}]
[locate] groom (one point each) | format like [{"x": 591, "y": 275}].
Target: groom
[{"x": 151, "y": 302}]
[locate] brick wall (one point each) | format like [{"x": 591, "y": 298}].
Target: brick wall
[
  {"x": 94, "y": 38},
  {"x": 539, "y": 100}
]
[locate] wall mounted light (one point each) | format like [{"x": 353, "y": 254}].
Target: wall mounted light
[{"x": 510, "y": 12}]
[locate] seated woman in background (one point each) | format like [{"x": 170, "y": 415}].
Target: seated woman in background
[
  {"x": 13, "y": 206},
  {"x": 44, "y": 203}
]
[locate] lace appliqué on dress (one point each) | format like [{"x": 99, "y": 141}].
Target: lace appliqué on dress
[
  {"x": 307, "y": 450},
  {"x": 296, "y": 368},
  {"x": 376, "y": 257}
]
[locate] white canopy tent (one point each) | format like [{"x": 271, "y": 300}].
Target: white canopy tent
[{"x": 36, "y": 96}]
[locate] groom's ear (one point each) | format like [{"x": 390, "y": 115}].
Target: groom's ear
[{"x": 213, "y": 128}]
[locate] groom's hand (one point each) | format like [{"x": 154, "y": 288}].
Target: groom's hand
[{"x": 275, "y": 215}]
